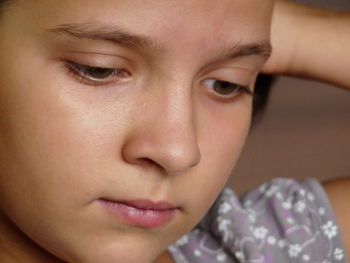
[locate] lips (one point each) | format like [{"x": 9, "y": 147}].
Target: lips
[{"x": 142, "y": 213}]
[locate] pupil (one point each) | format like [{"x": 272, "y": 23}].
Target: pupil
[
  {"x": 100, "y": 73},
  {"x": 224, "y": 87}
]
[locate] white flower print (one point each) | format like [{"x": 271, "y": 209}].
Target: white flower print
[
  {"x": 259, "y": 224},
  {"x": 221, "y": 257},
  {"x": 279, "y": 196},
  {"x": 225, "y": 229},
  {"x": 223, "y": 224},
  {"x": 239, "y": 255},
  {"x": 287, "y": 205},
  {"x": 300, "y": 206},
  {"x": 196, "y": 231},
  {"x": 251, "y": 214},
  {"x": 247, "y": 203},
  {"x": 311, "y": 197},
  {"x": 182, "y": 241},
  {"x": 260, "y": 232},
  {"x": 290, "y": 220},
  {"x": 197, "y": 253},
  {"x": 263, "y": 188},
  {"x": 282, "y": 243},
  {"x": 224, "y": 208},
  {"x": 306, "y": 257},
  {"x": 338, "y": 254},
  {"x": 226, "y": 191},
  {"x": 322, "y": 211},
  {"x": 294, "y": 250},
  {"x": 271, "y": 240},
  {"x": 330, "y": 229},
  {"x": 272, "y": 191}
]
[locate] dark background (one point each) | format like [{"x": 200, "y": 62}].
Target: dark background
[{"x": 305, "y": 131}]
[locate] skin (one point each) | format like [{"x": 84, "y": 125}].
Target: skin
[{"x": 160, "y": 132}]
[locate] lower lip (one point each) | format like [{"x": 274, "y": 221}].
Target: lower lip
[{"x": 147, "y": 218}]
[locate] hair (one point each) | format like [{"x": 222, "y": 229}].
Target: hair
[
  {"x": 2, "y": 4},
  {"x": 261, "y": 95}
]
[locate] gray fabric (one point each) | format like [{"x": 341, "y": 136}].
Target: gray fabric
[{"x": 281, "y": 221}]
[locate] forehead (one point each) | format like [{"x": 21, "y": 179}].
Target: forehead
[
  {"x": 240, "y": 17},
  {"x": 196, "y": 26}
]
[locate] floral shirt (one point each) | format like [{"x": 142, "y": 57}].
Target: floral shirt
[{"x": 281, "y": 221}]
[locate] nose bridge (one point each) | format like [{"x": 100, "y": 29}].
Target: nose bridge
[
  {"x": 174, "y": 128},
  {"x": 169, "y": 137}
]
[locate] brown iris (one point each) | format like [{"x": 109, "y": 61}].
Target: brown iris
[{"x": 225, "y": 88}]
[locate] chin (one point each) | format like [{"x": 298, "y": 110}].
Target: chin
[{"x": 120, "y": 253}]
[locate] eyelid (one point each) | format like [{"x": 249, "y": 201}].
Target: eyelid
[
  {"x": 77, "y": 70},
  {"x": 237, "y": 90},
  {"x": 236, "y": 75}
]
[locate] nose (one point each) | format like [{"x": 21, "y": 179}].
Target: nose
[{"x": 164, "y": 135}]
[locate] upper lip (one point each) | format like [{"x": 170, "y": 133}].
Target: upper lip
[{"x": 145, "y": 204}]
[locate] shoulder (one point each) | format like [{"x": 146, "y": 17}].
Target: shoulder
[
  {"x": 281, "y": 221},
  {"x": 338, "y": 192}
]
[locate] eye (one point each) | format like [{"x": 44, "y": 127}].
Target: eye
[
  {"x": 226, "y": 89},
  {"x": 97, "y": 75}
]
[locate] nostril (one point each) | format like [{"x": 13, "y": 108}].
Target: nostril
[
  {"x": 182, "y": 161},
  {"x": 170, "y": 163},
  {"x": 147, "y": 163},
  {"x": 168, "y": 146}
]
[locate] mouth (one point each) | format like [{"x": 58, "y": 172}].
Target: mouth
[{"x": 141, "y": 213}]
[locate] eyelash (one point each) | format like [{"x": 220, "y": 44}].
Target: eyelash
[
  {"x": 237, "y": 90},
  {"x": 81, "y": 72}
]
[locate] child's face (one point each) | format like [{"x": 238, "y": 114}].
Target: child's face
[{"x": 159, "y": 129}]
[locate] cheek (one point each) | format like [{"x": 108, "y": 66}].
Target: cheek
[
  {"x": 224, "y": 133},
  {"x": 52, "y": 142},
  {"x": 221, "y": 139},
  {"x": 51, "y": 138},
  {"x": 225, "y": 142}
]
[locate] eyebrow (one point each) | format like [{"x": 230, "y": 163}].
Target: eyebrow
[
  {"x": 100, "y": 31},
  {"x": 263, "y": 49}
]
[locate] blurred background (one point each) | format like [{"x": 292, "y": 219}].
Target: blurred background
[{"x": 304, "y": 132}]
